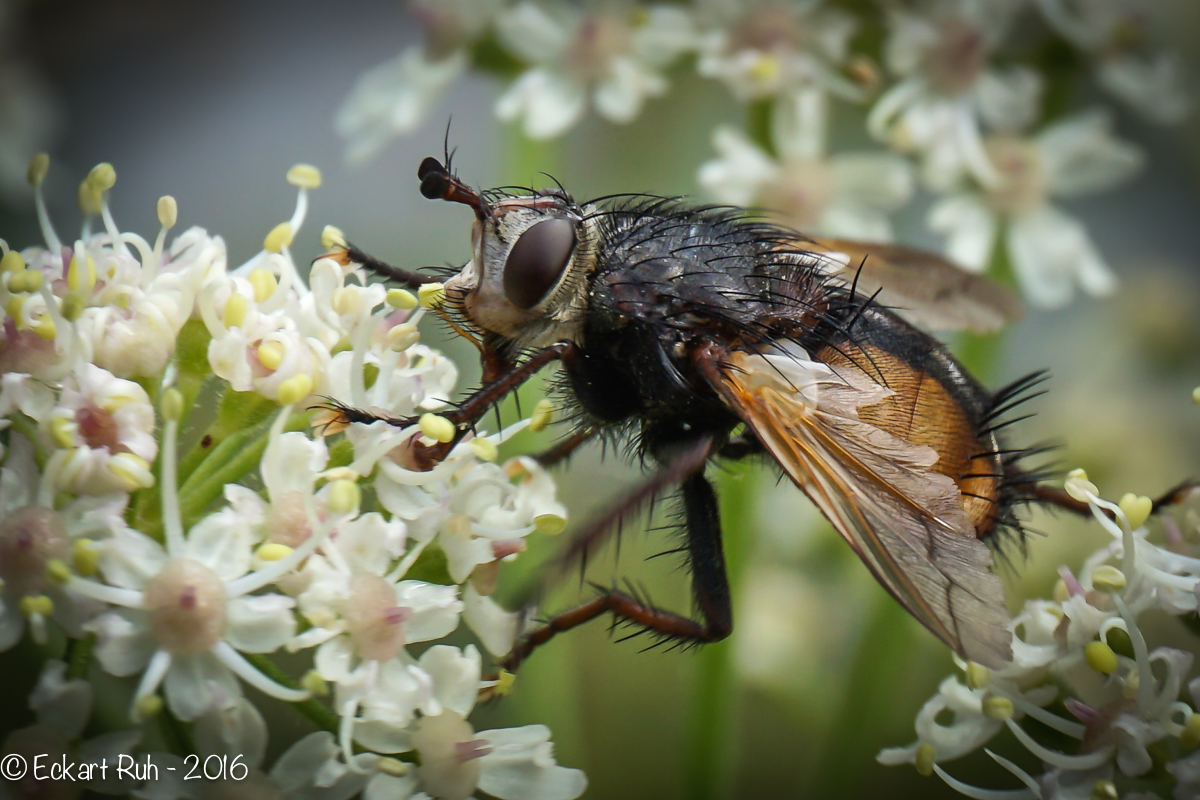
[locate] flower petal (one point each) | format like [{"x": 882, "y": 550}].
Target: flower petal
[
  {"x": 970, "y": 228},
  {"x": 260, "y": 623}
]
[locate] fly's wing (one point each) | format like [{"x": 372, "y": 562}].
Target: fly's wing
[
  {"x": 904, "y": 520},
  {"x": 923, "y": 287}
]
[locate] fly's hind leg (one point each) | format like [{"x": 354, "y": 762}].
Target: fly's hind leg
[{"x": 710, "y": 588}]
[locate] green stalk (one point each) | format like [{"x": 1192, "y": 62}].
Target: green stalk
[
  {"x": 79, "y": 656},
  {"x": 710, "y": 748},
  {"x": 312, "y": 709}
]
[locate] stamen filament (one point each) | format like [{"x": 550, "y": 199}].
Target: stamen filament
[
  {"x": 1062, "y": 760},
  {"x": 172, "y": 519},
  {"x": 231, "y": 658},
  {"x": 156, "y": 670},
  {"x": 118, "y": 596}
]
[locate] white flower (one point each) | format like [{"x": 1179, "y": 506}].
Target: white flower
[
  {"x": 393, "y": 98},
  {"x": 613, "y": 55},
  {"x": 104, "y": 427},
  {"x": 766, "y": 48},
  {"x": 187, "y": 609},
  {"x": 1113, "y": 33},
  {"x": 38, "y": 542},
  {"x": 847, "y": 195},
  {"x": 1050, "y": 251},
  {"x": 508, "y": 763},
  {"x": 947, "y": 88}
]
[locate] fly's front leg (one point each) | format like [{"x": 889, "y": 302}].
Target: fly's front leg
[
  {"x": 710, "y": 584},
  {"x": 349, "y": 254},
  {"x": 468, "y": 413}
]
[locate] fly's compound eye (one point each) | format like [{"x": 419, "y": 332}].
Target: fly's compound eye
[{"x": 537, "y": 260}]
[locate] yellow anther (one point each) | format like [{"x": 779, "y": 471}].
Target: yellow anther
[
  {"x": 102, "y": 177},
  {"x": 38, "y": 166},
  {"x": 14, "y": 305},
  {"x": 346, "y": 301},
  {"x": 340, "y": 474},
  {"x": 148, "y": 705},
  {"x": 1196, "y": 395},
  {"x": 263, "y": 281},
  {"x": 37, "y": 604},
  {"x": 1190, "y": 737},
  {"x": 13, "y": 262},
  {"x": 766, "y": 69},
  {"x": 168, "y": 211},
  {"x": 27, "y": 280},
  {"x": 998, "y": 708},
  {"x": 273, "y": 551},
  {"x": 234, "y": 314},
  {"x": 72, "y": 306},
  {"x": 543, "y": 415},
  {"x": 295, "y": 389},
  {"x": 926, "y": 758},
  {"x": 978, "y": 676},
  {"x": 431, "y": 295},
  {"x": 81, "y": 277},
  {"x": 401, "y": 298},
  {"x": 344, "y": 497},
  {"x": 314, "y": 683},
  {"x": 437, "y": 428},
  {"x": 132, "y": 470},
  {"x": 57, "y": 571},
  {"x": 1104, "y": 789},
  {"x": 392, "y": 766},
  {"x": 62, "y": 431},
  {"x": 550, "y": 524},
  {"x": 44, "y": 326},
  {"x": 280, "y": 237},
  {"x": 1107, "y": 578},
  {"x": 270, "y": 354},
  {"x": 1101, "y": 657},
  {"x": 85, "y": 557},
  {"x": 403, "y": 336},
  {"x": 484, "y": 450},
  {"x": 91, "y": 202},
  {"x": 1137, "y": 509},
  {"x": 331, "y": 237},
  {"x": 504, "y": 683},
  {"x": 172, "y": 405},
  {"x": 1079, "y": 487},
  {"x": 305, "y": 176}
]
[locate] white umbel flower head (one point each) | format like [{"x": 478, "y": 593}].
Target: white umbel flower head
[
  {"x": 1050, "y": 251},
  {"x": 847, "y": 195},
  {"x": 608, "y": 54}
]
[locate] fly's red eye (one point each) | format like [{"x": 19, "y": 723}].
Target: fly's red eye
[{"x": 537, "y": 260}]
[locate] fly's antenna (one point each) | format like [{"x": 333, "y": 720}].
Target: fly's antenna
[
  {"x": 447, "y": 153},
  {"x": 437, "y": 183}
]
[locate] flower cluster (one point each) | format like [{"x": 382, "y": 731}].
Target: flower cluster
[
  {"x": 949, "y": 86},
  {"x": 1083, "y": 674},
  {"x": 181, "y": 551}
]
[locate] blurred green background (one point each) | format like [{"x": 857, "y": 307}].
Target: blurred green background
[{"x": 212, "y": 102}]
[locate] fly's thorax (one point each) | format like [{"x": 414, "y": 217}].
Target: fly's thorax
[{"x": 528, "y": 278}]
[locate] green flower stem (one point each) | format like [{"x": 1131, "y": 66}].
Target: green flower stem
[
  {"x": 175, "y": 734},
  {"x": 236, "y": 411},
  {"x": 29, "y": 429},
  {"x": 314, "y": 710},
  {"x": 79, "y": 656},
  {"x": 710, "y": 747}
]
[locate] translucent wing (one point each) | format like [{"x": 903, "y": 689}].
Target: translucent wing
[
  {"x": 905, "y": 521},
  {"x": 923, "y": 287}
]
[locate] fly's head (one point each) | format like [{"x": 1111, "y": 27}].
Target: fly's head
[{"x": 531, "y": 257}]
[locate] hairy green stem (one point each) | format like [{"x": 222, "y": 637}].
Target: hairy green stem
[{"x": 79, "y": 656}]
